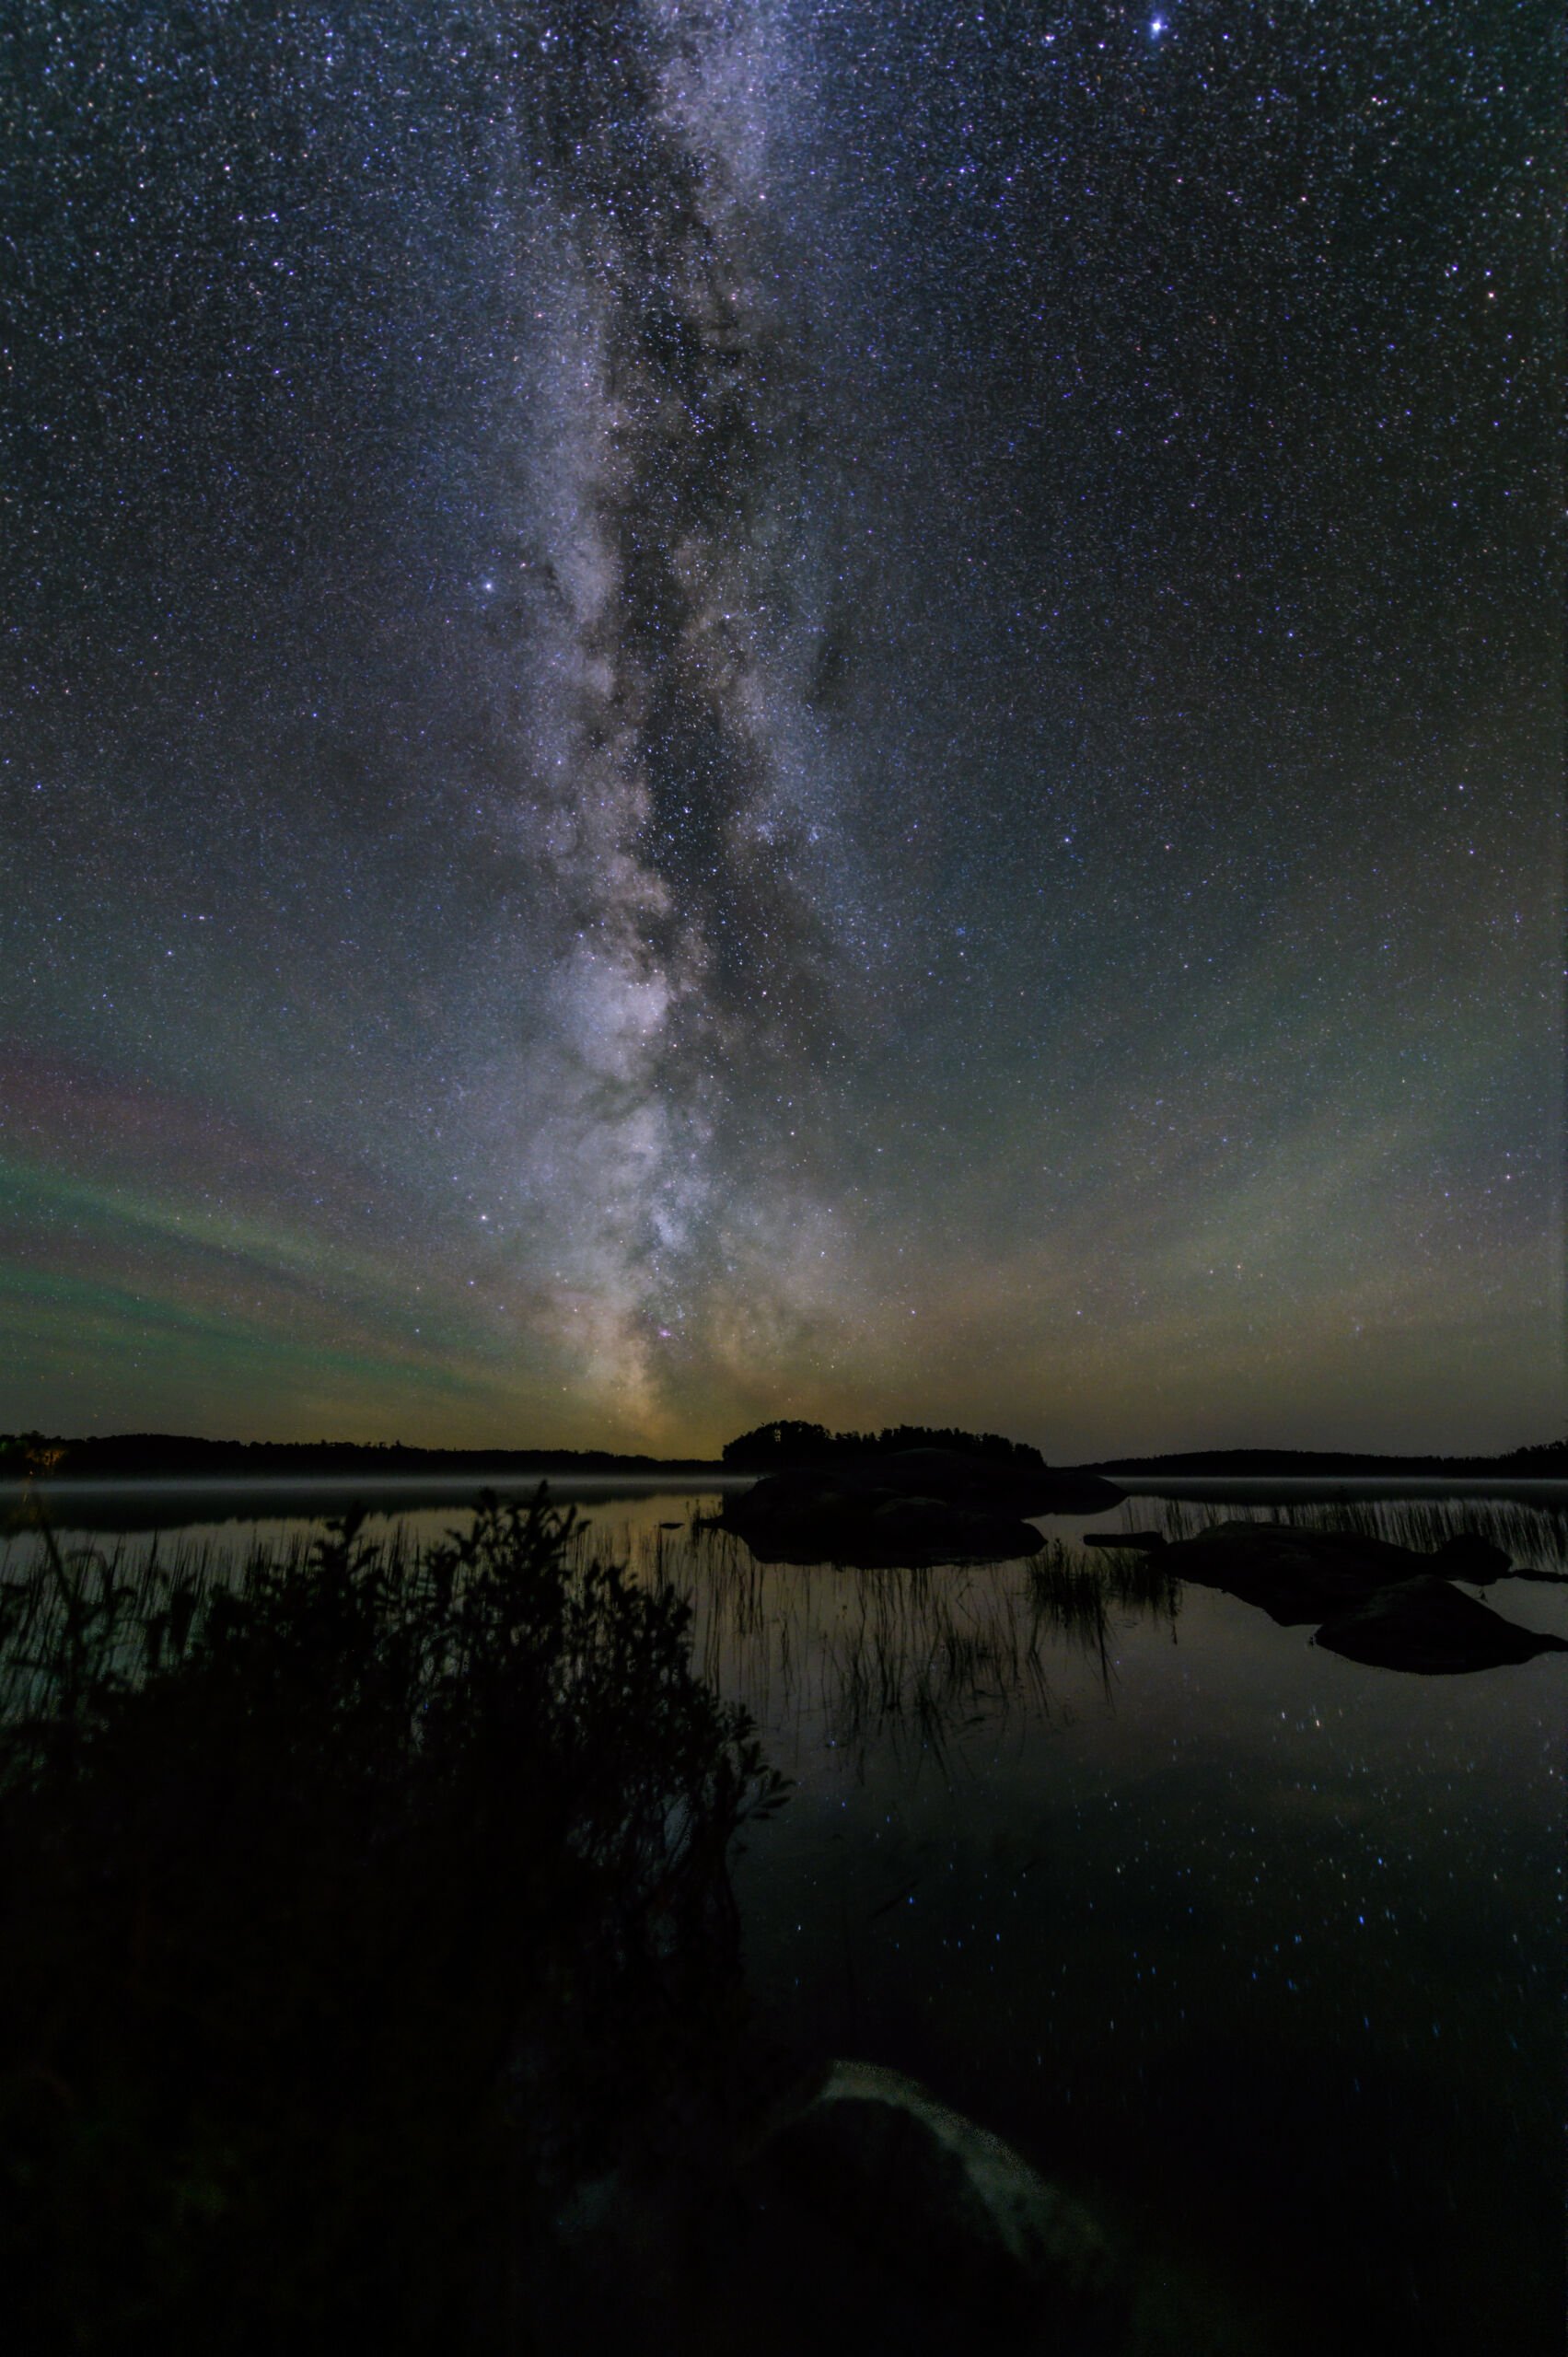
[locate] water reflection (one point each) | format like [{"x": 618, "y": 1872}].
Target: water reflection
[
  {"x": 914, "y": 1659},
  {"x": 1253, "y": 1942}
]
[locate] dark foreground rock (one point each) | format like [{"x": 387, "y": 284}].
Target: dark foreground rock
[
  {"x": 845, "y": 2211},
  {"x": 918, "y": 1505},
  {"x": 1299, "y": 1576},
  {"x": 929, "y": 2201},
  {"x": 1425, "y": 1624}
]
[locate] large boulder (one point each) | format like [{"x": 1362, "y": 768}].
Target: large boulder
[
  {"x": 949, "y": 2211},
  {"x": 1299, "y": 1576},
  {"x": 1426, "y": 1624}
]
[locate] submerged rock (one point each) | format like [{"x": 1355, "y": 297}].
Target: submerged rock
[
  {"x": 916, "y": 1505},
  {"x": 1425, "y": 1624}
]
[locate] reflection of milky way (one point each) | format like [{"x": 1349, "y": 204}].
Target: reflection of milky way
[{"x": 680, "y": 819}]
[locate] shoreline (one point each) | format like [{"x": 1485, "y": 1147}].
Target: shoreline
[{"x": 121, "y": 1460}]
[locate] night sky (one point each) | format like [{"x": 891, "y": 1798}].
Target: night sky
[{"x": 846, "y": 708}]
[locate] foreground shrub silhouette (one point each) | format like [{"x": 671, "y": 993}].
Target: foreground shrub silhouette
[{"x": 349, "y": 1919}]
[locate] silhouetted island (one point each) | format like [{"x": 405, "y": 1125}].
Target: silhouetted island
[
  {"x": 789, "y": 1442},
  {"x": 908, "y": 1507}
]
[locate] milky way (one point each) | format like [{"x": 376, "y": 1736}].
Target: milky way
[
  {"x": 792, "y": 707},
  {"x": 677, "y": 809}
]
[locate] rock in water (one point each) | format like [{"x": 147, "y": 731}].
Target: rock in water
[
  {"x": 1426, "y": 1624},
  {"x": 911, "y": 1507},
  {"x": 842, "y": 1516},
  {"x": 1297, "y": 1575},
  {"x": 1002, "y": 1488},
  {"x": 1466, "y": 1556}
]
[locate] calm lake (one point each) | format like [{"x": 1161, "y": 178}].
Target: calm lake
[{"x": 1257, "y": 1948}]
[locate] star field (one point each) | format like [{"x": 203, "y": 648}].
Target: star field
[{"x": 716, "y": 710}]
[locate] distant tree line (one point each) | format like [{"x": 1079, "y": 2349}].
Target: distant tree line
[
  {"x": 1542, "y": 1457},
  {"x": 175, "y": 1457},
  {"x": 172, "y": 1457},
  {"x": 788, "y": 1441},
  {"x": 1540, "y": 1461}
]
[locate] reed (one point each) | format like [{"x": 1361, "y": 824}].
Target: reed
[{"x": 910, "y": 1660}]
